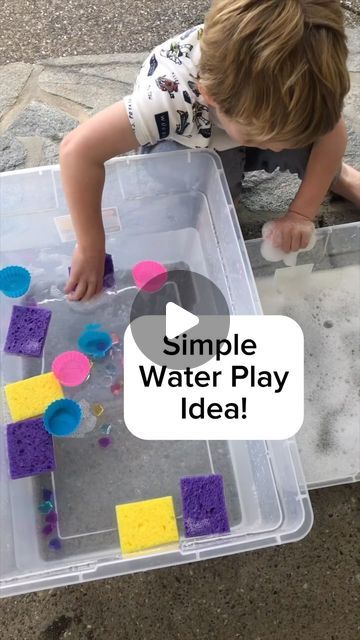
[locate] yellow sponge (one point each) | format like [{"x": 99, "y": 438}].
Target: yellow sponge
[
  {"x": 146, "y": 524},
  {"x": 29, "y": 398}
]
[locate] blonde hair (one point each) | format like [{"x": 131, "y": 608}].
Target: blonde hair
[{"x": 278, "y": 67}]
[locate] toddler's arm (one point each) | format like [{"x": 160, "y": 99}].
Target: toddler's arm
[
  {"x": 293, "y": 231},
  {"x": 82, "y": 156}
]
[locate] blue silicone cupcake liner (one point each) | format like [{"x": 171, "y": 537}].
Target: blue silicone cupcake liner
[
  {"x": 14, "y": 281},
  {"x": 62, "y": 417},
  {"x": 95, "y": 344}
]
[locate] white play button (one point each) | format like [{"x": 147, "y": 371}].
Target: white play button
[
  {"x": 178, "y": 320},
  {"x": 188, "y": 303}
]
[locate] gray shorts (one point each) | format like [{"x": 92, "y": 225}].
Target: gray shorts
[{"x": 238, "y": 161}]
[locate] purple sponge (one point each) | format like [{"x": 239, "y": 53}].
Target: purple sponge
[
  {"x": 204, "y": 507},
  {"x": 109, "y": 279},
  {"x": 27, "y": 331},
  {"x": 30, "y": 448}
]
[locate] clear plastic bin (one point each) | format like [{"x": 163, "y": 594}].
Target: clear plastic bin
[
  {"x": 323, "y": 295},
  {"x": 175, "y": 208}
]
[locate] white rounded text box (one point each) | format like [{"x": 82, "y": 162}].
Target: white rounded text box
[{"x": 256, "y": 393}]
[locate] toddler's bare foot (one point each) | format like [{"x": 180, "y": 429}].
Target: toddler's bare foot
[{"x": 348, "y": 184}]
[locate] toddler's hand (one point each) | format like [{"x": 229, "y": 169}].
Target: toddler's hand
[
  {"x": 290, "y": 233},
  {"x": 87, "y": 274}
]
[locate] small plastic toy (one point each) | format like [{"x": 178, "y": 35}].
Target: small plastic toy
[
  {"x": 47, "y": 529},
  {"x": 30, "y": 397},
  {"x": 146, "y": 524},
  {"x": 105, "y": 442},
  {"x": 46, "y": 507},
  {"x": 95, "y": 343},
  {"x": 97, "y": 409},
  {"x": 62, "y": 417},
  {"x": 55, "y": 544},
  {"x": 27, "y": 331},
  {"x": 14, "y": 281},
  {"x": 204, "y": 507},
  {"x": 52, "y": 517},
  {"x": 116, "y": 389},
  {"x": 149, "y": 275},
  {"x": 47, "y": 494},
  {"x": 30, "y": 449},
  {"x": 106, "y": 429},
  {"x": 109, "y": 278},
  {"x": 71, "y": 368}
]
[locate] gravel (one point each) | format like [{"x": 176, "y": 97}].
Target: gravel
[{"x": 33, "y": 29}]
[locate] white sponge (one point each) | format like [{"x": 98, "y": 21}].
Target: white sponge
[{"x": 274, "y": 254}]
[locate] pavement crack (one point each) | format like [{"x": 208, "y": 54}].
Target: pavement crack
[{"x": 25, "y": 97}]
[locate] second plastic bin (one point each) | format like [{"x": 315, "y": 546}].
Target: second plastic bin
[{"x": 322, "y": 293}]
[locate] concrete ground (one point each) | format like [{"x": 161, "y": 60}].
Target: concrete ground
[
  {"x": 304, "y": 591},
  {"x": 33, "y": 29}
]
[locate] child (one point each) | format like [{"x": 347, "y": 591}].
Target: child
[{"x": 262, "y": 82}]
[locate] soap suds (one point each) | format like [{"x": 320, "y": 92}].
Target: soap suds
[{"x": 328, "y": 313}]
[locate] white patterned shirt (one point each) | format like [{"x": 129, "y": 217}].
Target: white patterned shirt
[{"x": 166, "y": 103}]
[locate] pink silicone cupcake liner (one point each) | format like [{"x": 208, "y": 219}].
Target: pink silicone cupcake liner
[
  {"x": 71, "y": 368},
  {"x": 150, "y": 275}
]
